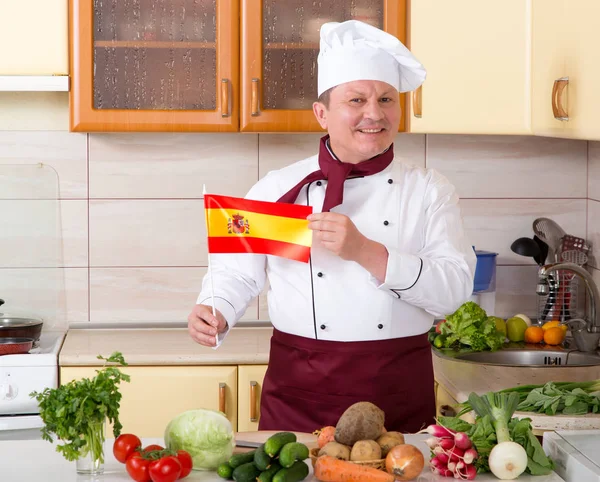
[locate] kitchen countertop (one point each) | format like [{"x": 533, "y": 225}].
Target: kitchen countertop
[
  {"x": 50, "y": 466},
  {"x": 166, "y": 346},
  {"x": 460, "y": 378}
]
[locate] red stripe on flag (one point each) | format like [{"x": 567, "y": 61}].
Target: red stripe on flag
[
  {"x": 258, "y": 246},
  {"x": 212, "y": 201}
]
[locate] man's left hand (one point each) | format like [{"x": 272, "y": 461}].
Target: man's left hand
[{"x": 338, "y": 234}]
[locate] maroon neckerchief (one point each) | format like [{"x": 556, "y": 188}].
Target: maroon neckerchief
[{"x": 336, "y": 173}]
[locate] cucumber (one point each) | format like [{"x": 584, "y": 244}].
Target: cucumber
[
  {"x": 295, "y": 473},
  {"x": 225, "y": 471},
  {"x": 241, "y": 459},
  {"x": 261, "y": 459},
  {"x": 275, "y": 442},
  {"x": 292, "y": 452},
  {"x": 267, "y": 475},
  {"x": 246, "y": 473}
]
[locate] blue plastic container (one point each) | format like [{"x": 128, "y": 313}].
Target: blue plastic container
[{"x": 485, "y": 272}]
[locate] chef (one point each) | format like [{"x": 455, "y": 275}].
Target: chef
[{"x": 389, "y": 254}]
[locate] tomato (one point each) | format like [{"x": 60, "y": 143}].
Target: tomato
[
  {"x": 137, "y": 468},
  {"x": 439, "y": 326},
  {"x": 152, "y": 447},
  {"x": 185, "y": 459},
  {"x": 165, "y": 469},
  {"x": 125, "y": 445}
]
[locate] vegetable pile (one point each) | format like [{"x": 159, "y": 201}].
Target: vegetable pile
[
  {"x": 279, "y": 459},
  {"x": 505, "y": 445},
  {"x": 453, "y": 454},
  {"x": 153, "y": 463},
  {"x": 468, "y": 327},
  {"x": 77, "y": 411}
]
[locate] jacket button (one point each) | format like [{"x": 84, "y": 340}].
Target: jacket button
[
  {"x": 385, "y": 223},
  {"x": 390, "y": 181},
  {"x": 380, "y": 326},
  {"x": 319, "y": 183},
  {"x": 322, "y": 327},
  {"x": 319, "y": 274}
]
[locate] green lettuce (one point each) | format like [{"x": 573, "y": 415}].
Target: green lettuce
[
  {"x": 470, "y": 327},
  {"x": 206, "y": 435}
]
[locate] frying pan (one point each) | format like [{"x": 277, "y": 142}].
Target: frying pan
[
  {"x": 19, "y": 327},
  {"x": 15, "y": 346}
]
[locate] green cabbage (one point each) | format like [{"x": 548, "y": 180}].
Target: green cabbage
[{"x": 206, "y": 434}]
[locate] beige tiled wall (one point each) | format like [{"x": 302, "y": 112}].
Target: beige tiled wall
[{"x": 132, "y": 220}]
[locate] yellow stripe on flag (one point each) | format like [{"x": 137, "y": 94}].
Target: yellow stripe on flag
[{"x": 266, "y": 226}]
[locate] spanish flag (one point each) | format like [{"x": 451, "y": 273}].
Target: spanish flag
[{"x": 237, "y": 225}]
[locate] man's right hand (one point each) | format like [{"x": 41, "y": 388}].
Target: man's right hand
[{"x": 203, "y": 326}]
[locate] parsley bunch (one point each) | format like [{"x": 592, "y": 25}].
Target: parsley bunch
[{"x": 76, "y": 412}]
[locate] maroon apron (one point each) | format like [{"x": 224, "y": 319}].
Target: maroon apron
[{"x": 309, "y": 383}]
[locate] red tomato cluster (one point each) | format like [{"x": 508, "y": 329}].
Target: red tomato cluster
[{"x": 152, "y": 463}]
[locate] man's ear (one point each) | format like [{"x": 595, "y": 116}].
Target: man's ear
[{"x": 320, "y": 112}]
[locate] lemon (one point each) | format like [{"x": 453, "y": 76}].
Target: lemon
[
  {"x": 554, "y": 324},
  {"x": 515, "y": 328}
]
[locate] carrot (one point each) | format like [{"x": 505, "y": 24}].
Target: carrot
[{"x": 330, "y": 469}]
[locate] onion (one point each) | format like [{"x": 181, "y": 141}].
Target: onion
[
  {"x": 507, "y": 460},
  {"x": 404, "y": 462}
]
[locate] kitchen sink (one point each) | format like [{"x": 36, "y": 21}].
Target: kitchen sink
[{"x": 531, "y": 358}]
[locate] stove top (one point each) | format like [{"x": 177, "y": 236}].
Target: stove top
[{"x": 44, "y": 352}]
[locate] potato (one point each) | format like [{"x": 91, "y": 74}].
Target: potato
[
  {"x": 388, "y": 441},
  {"x": 361, "y": 421},
  {"x": 336, "y": 450},
  {"x": 365, "y": 450}
]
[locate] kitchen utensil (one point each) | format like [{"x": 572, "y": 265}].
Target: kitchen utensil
[
  {"x": 16, "y": 327},
  {"x": 550, "y": 233},
  {"x": 579, "y": 258},
  {"x": 568, "y": 242},
  {"x": 15, "y": 346},
  {"x": 525, "y": 247},
  {"x": 541, "y": 259}
]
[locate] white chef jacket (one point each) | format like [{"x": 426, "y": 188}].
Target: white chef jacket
[{"x": 413, "y": 212}]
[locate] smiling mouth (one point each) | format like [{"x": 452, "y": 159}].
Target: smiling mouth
[{"x": 371, "y": 131}]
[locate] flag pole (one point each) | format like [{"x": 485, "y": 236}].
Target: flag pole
[{"x": 210, "y": 274}]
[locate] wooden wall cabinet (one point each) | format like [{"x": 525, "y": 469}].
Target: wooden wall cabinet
[
  {"x": 205, "y": 65},
  {"x": 34, "y": 37},
  {"x": 478, "y": 70}
]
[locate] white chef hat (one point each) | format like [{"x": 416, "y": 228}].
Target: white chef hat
[{"x": 355, "y": 50}]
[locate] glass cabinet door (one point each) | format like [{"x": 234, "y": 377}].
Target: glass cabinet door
[
  {"x": 280, "y": 44},
  {"x": 153, "y": 65}
]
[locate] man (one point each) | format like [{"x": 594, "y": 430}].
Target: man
[{"x": 388, "y": 254}]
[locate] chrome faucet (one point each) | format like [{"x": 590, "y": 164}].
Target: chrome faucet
[{"x": 586, "y": 332}]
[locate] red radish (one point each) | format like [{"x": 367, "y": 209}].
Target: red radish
[
  {"x": 470, "y": 455},
  {"x": 432, "y": 442},
  {"x": 468, "y": 472},
  {"x": 438, "y": 431},
  {"x": 462, "y": 441},
  {"x": 439, "y": 463},
  {"x": 443, "y": 458},
  {"x": 452, "y": 466},
  {"x": 447, "y": 444},
  {"x": 455, "y": 454}
]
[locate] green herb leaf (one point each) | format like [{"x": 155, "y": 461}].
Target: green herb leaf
[{"x": 75, "y": 413}]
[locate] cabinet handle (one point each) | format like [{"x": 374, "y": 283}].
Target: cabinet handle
[
  {"x": 416, "y": 100},
  {"x": 224, "y": 98},
  {"x": 557, "y": 102},
  {"x": 447, "y": 411},
  {"x": 254, "y": 98},
  {"x": 222, "y": 397},
  {"x": 253, "y": 401}
]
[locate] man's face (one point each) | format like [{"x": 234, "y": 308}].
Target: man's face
[{"x": 362, "y": 119}]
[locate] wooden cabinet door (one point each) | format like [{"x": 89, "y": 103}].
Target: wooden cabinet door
[
  {"x": 582, "y": 38},
  {"x": 447, "y": 406},
  {"x": 477, "y": 59},
  {"x": 280, "y": 43},
  {"x": 250, "y": 380},
  {"x": 548, "y": 67},
  {"x": 156, "y": 395},
  {"x": 169, "y": 65},
  {"x": 34, "y": 37}
]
